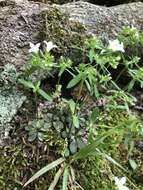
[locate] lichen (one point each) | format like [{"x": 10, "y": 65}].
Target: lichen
[{"x": 11, "y": 99}]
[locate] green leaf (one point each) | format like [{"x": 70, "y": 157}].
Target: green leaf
[
  {"x": 96, "y": 92},
  {"x": 65, "y": 178},
  {"x": 91, "y": 55},
  {"x": 66, "y": 152},
  {"x": 32, "y": 136},
  {"x": 94, "y": 115},
  {"x": 133, "y": 164},
  {"x": 90, "y": 149},
  {"x": 80, "y": 143},
  {"x": 76, "y": 121},
  {"x": 86, "y": 151},
  {"x": 37, "y": 85},
  {"x": 72, "y": 106},
  {"x": 88, "y": 85},
  {"x": 40, "y": 136},
  {"x": 73, "y": 146},
  {"x": 44, "y": 170},
  {"x": 72, "y": 174},
  {"x": 28, "y": 84},
  {"x": 131, "y": 85},
  {"x": 45, "y": 95},
  {"x": 56, "y": 179},
  {"x": 75, "y": 81}
]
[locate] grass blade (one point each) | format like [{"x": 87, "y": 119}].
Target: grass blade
[
  {"x": 44, "y": 170},
  {"x": 56, "y": 179},
  {"x": 45, "y": 95},
  {"x": 27, "y": 84},
  {"x": 65, "y": 178}
]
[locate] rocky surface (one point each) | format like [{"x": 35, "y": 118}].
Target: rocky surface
[
  {"x": 102, "y": 20},
  {"x": 21, "y": 22}
]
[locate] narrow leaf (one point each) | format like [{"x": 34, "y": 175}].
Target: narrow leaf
[
  {"x": 74, "y": 81},
  {"x": 65, "y": 178},
  {"x": 44, "y": 170},
  {"x": 133, "y": 164},
  {"x": 28, "y": 84},
  {"x": 113, "y": 161},
  {"x": 90, "y": 149},
  {"x": 72, "y": 173},
  {"x": 45, "y": 95},
  {"x": 72, "y": 106},
  {"x": 73, "y": 147},
  {"x": 88, "y": 85},
  {"x": 94, "y": 115},
  {"x": 56, "y": 179},
  {"x": 91, "y": 55},
  {"x": 86, "y": 151},
  {"x": 76, "y": 121}
]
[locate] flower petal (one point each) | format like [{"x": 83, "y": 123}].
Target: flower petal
[
  {"x": 31, "y": 44},
  {"x": 123, "y": 180},
  {"x": 34, "y": 48},
  {"x": 49, "y": 45},
  {"x": 115, "y": 45},
  {"x": 125, "y": 188},
  {"x": 117, "y": 181}
]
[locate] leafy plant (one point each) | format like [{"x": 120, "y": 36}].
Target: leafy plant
[
  {"x": 86, "y": 136},
  {"x": 36, "y": 130},
  {"x": 36, "y": 88}
]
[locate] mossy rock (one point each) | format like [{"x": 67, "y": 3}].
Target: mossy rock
[{"x": 68, "y": 36}]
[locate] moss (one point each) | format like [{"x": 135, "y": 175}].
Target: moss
[
  {"x": 64, "y": 33},
  {"x": 20, "y": 161},
  {"x": 54, "y": 139},
  {"x": 95, "y": 173},
  {"x": 16, "y": 166}
]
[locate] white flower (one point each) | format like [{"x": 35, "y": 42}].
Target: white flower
[
  {"x": 120, "y": 183},
  {"x": 115, "y": 45},
  {"x": 136, "y": 31},
  {"x": 34, "y": 48},
  {"x": 133, "y": 28},
  {"x": 49, "y": 45}
]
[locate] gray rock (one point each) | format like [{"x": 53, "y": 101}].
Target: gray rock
[
  {"x": 21, "y": 22},
  {"x": 102, "y": 20}
]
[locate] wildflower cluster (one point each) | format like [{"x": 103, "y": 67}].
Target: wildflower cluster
[
  {"x": 102, "y": 88},
  {"x": 36, "y": 48}
]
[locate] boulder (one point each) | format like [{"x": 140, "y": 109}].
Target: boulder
[
  {"x": 107, "y": 21},
  {"x": 21, "y": 22}
]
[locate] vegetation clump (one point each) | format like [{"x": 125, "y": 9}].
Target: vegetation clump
[{"x": 86, "y": 129}]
